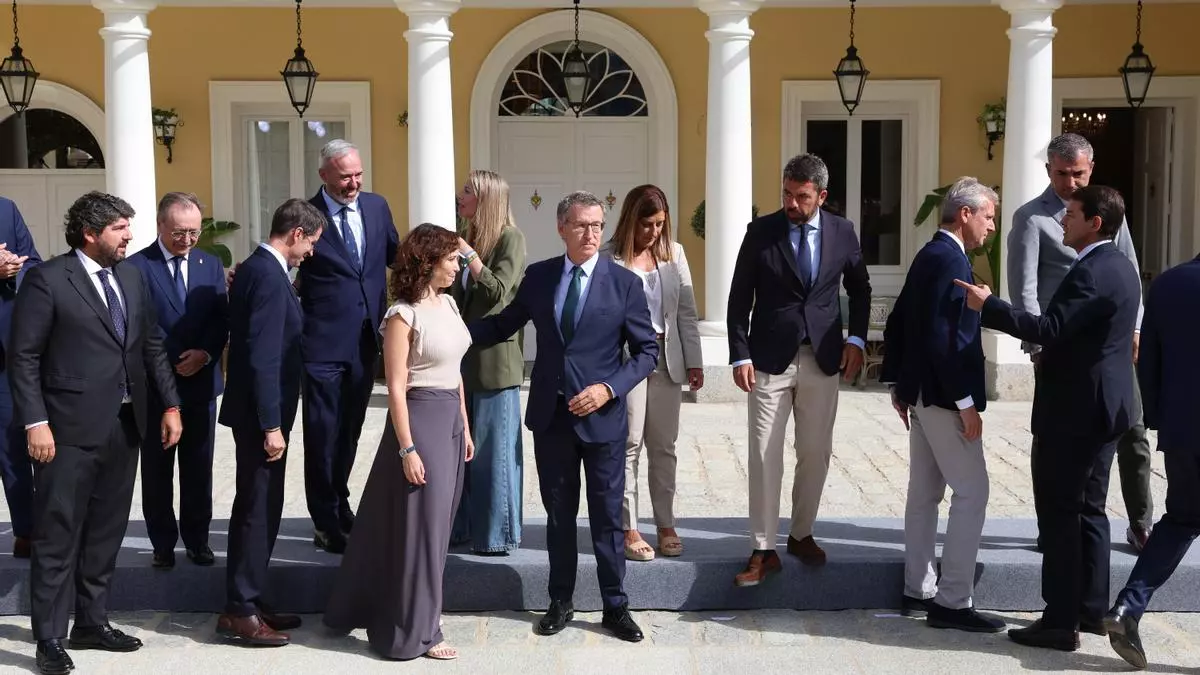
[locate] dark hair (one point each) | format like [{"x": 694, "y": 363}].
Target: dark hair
[
  {"x": 1103, "y": 201},
  {"x": 92, "y": 213},
  {"x": 642, "y": 201},
  {"x": 297, "y": 213},
  {"x": 418, "y": 254},
  {"x": 175, "y": 199},
  {"x": 807, "y": 168}
]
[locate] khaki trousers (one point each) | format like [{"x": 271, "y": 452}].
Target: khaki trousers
[
  {"x": 940, "y": 456},
  {"x": 811, "y": 396},
  {"x": 653, "y": 412}
]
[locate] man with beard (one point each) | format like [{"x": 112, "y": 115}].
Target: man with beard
[{"x": 84, "y": 353}]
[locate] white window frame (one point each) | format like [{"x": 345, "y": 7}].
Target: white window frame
[
  {"x": 917, "y": 102},
  {"x": 231, "y": 104}
]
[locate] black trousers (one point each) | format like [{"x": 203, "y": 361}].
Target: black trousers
[
  {"x": 195, "y": 451},
  {"x": 16, "y": 469},
  {"x": 80, "y": 511},
  {"x": 254, "y": 522},
  {"x": 1071, "y": 487},
  {"x": 1172, "y": 536},
  {"x": 559, "y": 452}
]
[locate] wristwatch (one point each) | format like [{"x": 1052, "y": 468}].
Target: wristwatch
[{"x": 405, "y": 451}]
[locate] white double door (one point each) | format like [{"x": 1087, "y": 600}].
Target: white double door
[
  {"x": 43, "y": 197},
  {"x": 545, "y": 159}
]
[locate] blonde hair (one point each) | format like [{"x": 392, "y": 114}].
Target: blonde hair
[
  {"x": 493, "y": 213},
  {"x": 642, "y": 201}
]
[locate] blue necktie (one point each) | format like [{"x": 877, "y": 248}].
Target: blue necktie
[
  {"x": 566, "y": 323},
  {"x": 803, "y": 259},
  {"x": 180, "y": 285},
  {"x": 348, "y": 236},
  {"x": 117, "y": 314}
]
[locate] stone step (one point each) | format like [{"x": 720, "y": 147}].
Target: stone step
[{"x": 865, "y": 571}]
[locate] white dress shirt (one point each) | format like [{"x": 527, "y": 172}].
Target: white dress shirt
[
  {"x": 564, "y": 284},
  {"x": 353, "y": 218},
  {"x": 171, "y": 262},
  {"x": 278, "y": 256}
]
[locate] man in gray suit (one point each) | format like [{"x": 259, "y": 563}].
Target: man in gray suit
[{"x": 1037, "y": 263}]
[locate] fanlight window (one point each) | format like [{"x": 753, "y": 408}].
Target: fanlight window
[
  {"x": 536, "y": 88},
  {"x": 53, "y": 140}
]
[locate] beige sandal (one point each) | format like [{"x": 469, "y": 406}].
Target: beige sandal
[
  {"x": 671, "y": 547},
  {"x": 442, "y": 652},
  {"x": 639, "y": 551}
]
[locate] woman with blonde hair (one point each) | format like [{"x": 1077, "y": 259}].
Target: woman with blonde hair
[
  {"x": 493, "y": 264},
  {"x": 642, "y": 243}
]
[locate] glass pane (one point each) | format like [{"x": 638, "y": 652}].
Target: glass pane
[
  {"x": 827, "y": 140},
  {"x": 880, "y": 219},
  {"x": 536, "y": 87},
  {"x": 316, "y": 134},
  {"x": 47, "y": 139},
  {"x": 270, "y": 172}
]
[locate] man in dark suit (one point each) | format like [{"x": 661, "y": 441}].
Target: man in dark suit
[
  {"x": 343, "y": 293},
  {"x": 17, "y": 254},
  {"x": 188, "y": 289},
  {"x": 586, "y": 310},
  {"x": 933, "y": 359},
  {"x": 84, "y": 355},
  {"x": 787, "y": 356},
  {"x": 1168, "y": 372},
  {"x": 264, "y": 370},
  {"x": 1082, "y": 404}
]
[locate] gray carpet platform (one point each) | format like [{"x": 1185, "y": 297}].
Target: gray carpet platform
[{"x": 864, "y": 571}]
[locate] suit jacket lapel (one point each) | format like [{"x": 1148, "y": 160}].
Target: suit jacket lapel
[
  {"x": 83, "y": 285},
  {"x": 784, "y": 243},
  {"x": 668, "y": 280},
  {"x": 332, "y": 235},
  {"x": 828, "y": 234},
  {"x": 1053, "y": 205},
  {"x": 160, "y": 269},
  {"x": 595, "y": 286},
  {"x": 125, "y": 276}
]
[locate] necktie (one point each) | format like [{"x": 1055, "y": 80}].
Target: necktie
[
  {"x": 180, "y": 285},
  {"x": 566, "y": 323},
  {"x": 116, "y": 313},
  {"x": 348, "y": 236},
  {"x": 803, "y": 258}
]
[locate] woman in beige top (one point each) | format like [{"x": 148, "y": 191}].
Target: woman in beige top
[
  {"x": 642, "y": 243},
  {"x": 390, "y": 581}
]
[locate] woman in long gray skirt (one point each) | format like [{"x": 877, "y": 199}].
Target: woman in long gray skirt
[{"x": 390, "y": 581}]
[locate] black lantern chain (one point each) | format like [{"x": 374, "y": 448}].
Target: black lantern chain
[
  {"x": 299, "y": 74},
  {"x": 1138, "y": 70},
  {"x": 577, "y": 77},
  {"x": 17, "y": 75},
  {"x": 851, "y": 74}
]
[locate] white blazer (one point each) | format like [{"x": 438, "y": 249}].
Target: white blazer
[{"x": 680, "y": 321}]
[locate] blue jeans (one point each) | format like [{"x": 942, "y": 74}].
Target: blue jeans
[{"x": 489, "y": 515}]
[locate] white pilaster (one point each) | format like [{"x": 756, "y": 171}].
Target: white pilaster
[
  {"x": 129, "y": 153},
  {"x": 431, "y": 180},
  {"x": 728, "y": 184}
]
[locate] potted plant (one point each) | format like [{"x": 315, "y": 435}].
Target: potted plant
[
  {"x": 698, "y": 218},
  {"x": 211, "y": 230}
]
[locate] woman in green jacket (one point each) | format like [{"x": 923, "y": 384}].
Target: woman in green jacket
[{"x": 493, "y": 259}]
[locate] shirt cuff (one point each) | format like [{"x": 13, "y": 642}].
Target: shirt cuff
[
  {"x": 743, "y": 362},
  {"x": 208, "y": 358},
  {"x": 857, "y": 342},
  {"x": 965, "y": 403},
  {"x": 611, "y": 394},
  {"x": 36, "y": 424}
]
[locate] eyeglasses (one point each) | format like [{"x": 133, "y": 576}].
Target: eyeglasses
[
  {"x": 594, "y": 228},
  {"x": 180, "y": 235}
]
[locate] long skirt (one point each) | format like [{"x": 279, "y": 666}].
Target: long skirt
[
  {"x": 390, "y": 580},
  {"x": 489, "y": 516}
]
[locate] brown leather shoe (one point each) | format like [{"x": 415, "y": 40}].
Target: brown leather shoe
[
  {"x": 806, "y": 550},
  {"x": 758, "y": 569},
  {"x": 22, "y": 547},
  {"x": 278, "y": 622},
  {"x": 249, "y": 630}
]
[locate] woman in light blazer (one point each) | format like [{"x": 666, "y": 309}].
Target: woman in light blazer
[{"x": 642, "y": 243}]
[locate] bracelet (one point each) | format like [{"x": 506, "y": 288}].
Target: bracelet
[
  {"x": 469, "y": 258},
  {"x": 406, "y": 451}
]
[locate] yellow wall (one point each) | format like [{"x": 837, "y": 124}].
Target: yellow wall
[{"x": 965, "y": 48}]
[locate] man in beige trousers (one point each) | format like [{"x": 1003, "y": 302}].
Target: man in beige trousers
[{"x": 787, "y": 356}]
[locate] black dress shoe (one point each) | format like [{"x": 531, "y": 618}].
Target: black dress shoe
[
  {"x": 556, "y": 617},
  {"x": 163, "y": 560},
  {"x": 346, "y": 521},
  {"x": 1123, "y": 635},
  {"x": 202, "y": 556},
  {"x": 620, "y": 623},
  {"x": 103, "y": 637},
  {"x": 1037, "y": 635},
  {"x": 52, "y": 659},
  {"x": 916, "y": 607},
  {"x": 1094, "y": 627},
  {"x": 966, "y": 619},
  {"x": 332, "y": 542}
]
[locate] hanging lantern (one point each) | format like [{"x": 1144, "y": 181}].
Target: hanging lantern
[
  {"x": 851, "y": 74},
  {"x": 577, "y": 77},
  {"x": 299, "y": 75},
  {"x": 17, "y": 76},
  {"x": 1138, "y": 69}
]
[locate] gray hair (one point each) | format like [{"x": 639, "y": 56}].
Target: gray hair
[
  {"x": 807, "y": 168},
  {"x": 577, "y": 198},
  {"x": 336, "y": 148},
  {"x": 969, "y": 192},
  {"x": 173, "y": 200},
  {"x": 1069, "y": 147}
]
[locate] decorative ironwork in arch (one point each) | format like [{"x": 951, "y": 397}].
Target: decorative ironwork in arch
[{"x": 535, "y": 88}]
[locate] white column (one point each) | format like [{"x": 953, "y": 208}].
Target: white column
[
  {"x": 431, "y": 180},
  {"x": 728, "y": 184},
  {"x": 129, "y": 133}
]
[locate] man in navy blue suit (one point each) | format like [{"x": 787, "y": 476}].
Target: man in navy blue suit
[
  {"x": 187, "y": 286},
  {"x": 1082, "y": 404},
  {"x": 586, "y": 311},
  {"x": 1168, "y": 372},
  {"x": 17, "y": 254},
  {"x": 264, "y": 372},
  {"x": 343, "y": 290},
  {"x": 933, "y": 360}
]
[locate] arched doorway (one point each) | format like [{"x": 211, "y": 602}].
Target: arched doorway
[{"x": 52, "y": 154}]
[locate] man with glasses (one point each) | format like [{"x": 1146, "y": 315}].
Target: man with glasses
[{"x": 187, "y": 286}]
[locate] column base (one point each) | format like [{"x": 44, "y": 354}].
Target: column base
[{"x": 1008, "y": 372}]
